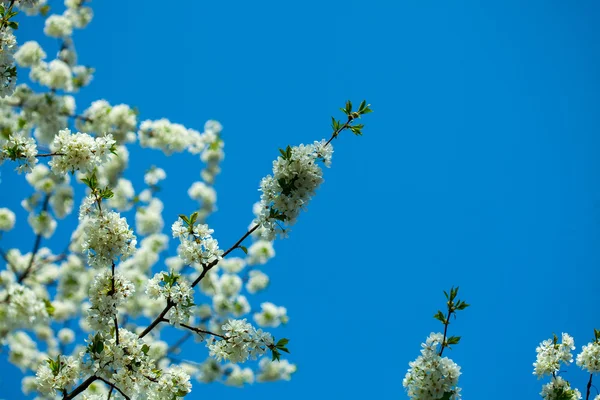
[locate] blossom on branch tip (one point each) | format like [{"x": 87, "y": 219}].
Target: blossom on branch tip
[{"x": 79, "y": 151}]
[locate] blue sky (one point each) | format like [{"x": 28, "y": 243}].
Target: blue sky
[{"x": 478, "y": 168}]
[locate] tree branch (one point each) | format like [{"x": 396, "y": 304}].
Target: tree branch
[
  {"x": 205, "y": 269},
  {"x": 36, "y": 245},
  {"x": 79, "y": 389},
  {"x": 112, "y": 385}
]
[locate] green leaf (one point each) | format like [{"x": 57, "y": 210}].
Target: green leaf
[
  {"x": 282, "y": 342},
  {"x": 1, "y": 9},
  {"x": 185, "y": 219},
  {"x": 49, "y": 307},
  {"x": 193, "y": 218},
  {"x": 453, "y": 340},
  {"x": 440, "y": 317},
  {"x": 348, "y": 107},
  {"x": 447, "y": 396},
  {"x": 13, "y": 24},
  {"x": 363, "y": 104},
  {"x": 44, "y": 10},
  {"x": 276, "y": 354},
  {"x": 244, "y": 249},
  {"x": 107, "y": 193},
  {"x": 145, "y": 349}
]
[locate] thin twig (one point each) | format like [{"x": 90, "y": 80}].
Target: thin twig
[
  {"x": 589, "y": 387},
  {"x": 36, "y": 245},
  {"x": 49, "y": 155},
  {"x": 84, "y": 385},
  {"x": 116, "y": 388},
  {"x": 200, "y": 331},
  {"x": 205, "y": 269},
  {"x": 5, "y": 258}
]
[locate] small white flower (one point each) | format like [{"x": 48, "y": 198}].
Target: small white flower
[{"x": 7, "y": 219}]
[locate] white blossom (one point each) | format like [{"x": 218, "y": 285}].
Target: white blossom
[
  {"x": 237, "y": 376},
  {"x": 270, "y": 371},
  {"x": 106, "y": 294},
  {"x": 79, "y": 151},
  {"x": 559, "y": 389},
  {"x": 550, "y": 354},
  {"x": 296, "y": 176},
  {"x": 257, "y": 281},
  {"x": 42, "y": 224},
  {"x": 260, "y": 252},
  {"x": 589, "y": 358},
  {"x": 242, "y": 341},
  {"x": 65, "y": 370},
  {"x": 430, "y": 376},
  {"x": 21, "y": 149},
  {"x": 29, "y": 54},
  {"x": 7, "y": 219},
  {"x": 196, "y": 247},
  {"x": 106, "y": 237},
  {"x": 154, "y": 176},
  {"x": 271, "y": 315},
  {"x": 58, "y": 26},
  {"x": 169, "y": 137},
  {"x": 148, "y": 220},
  {"x": 177, "y": 291}
]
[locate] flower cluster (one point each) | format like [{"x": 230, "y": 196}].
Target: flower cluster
[
  {"x": 559, "y": 389},
  {"x": 173, "y": 383},
  {"x": 260, "y": 252},
  {"x": 29, "y": 54},
  {"x": 102, "y": 118},
  {"x": 148, "y": 220},
  {"x": 274, "y": 371},
  {"x": 123, "y": 361},
  {"x": 241, "y": 341},
  {"x": 589, "y": 358},
  {"x": 296, "y": 176},
  {"x": 22, "y": 307},
  {"x": 57, "y": 375},
  {"x": 79, "y": 151},
  {"x": 237, "y": 376},
  {"x": 169, "y": 137},
  {"x": 7, "y": 219},
  {"x": 257, "y": 281},
  {"x": 8, "y": 71},
  {"x": 430, "y": 376},
  {"x": 154, "y": 176},
  {"x": 205, "y": 195},
  {"x": 550, "y": 354},
  {"x": 107, "y": 292},
  {"x": 21, "y": 149},
  {"x": 48, "y": 112},
  {"x": 177, "y": 291},
  {"x": 197, "y": 246},
  {"x": 42, "y": 223},
  {"x": 56, "y": 186},
  {"x": 271, "y": 315},
  {"x": 106, "y": 236}
]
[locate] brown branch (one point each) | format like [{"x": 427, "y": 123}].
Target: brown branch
[
  {"x": 112, "y": 385},
  {"x": 49, "y": 155},
  {"x": 5, "y": 258},
  {"x": 84, "y": 385},
  {"x": 201, "y": 331},
  {"x": 205, "y": 269},
  {"x": 36, "y": 245},
  {"x": 589, "y": 387}
]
